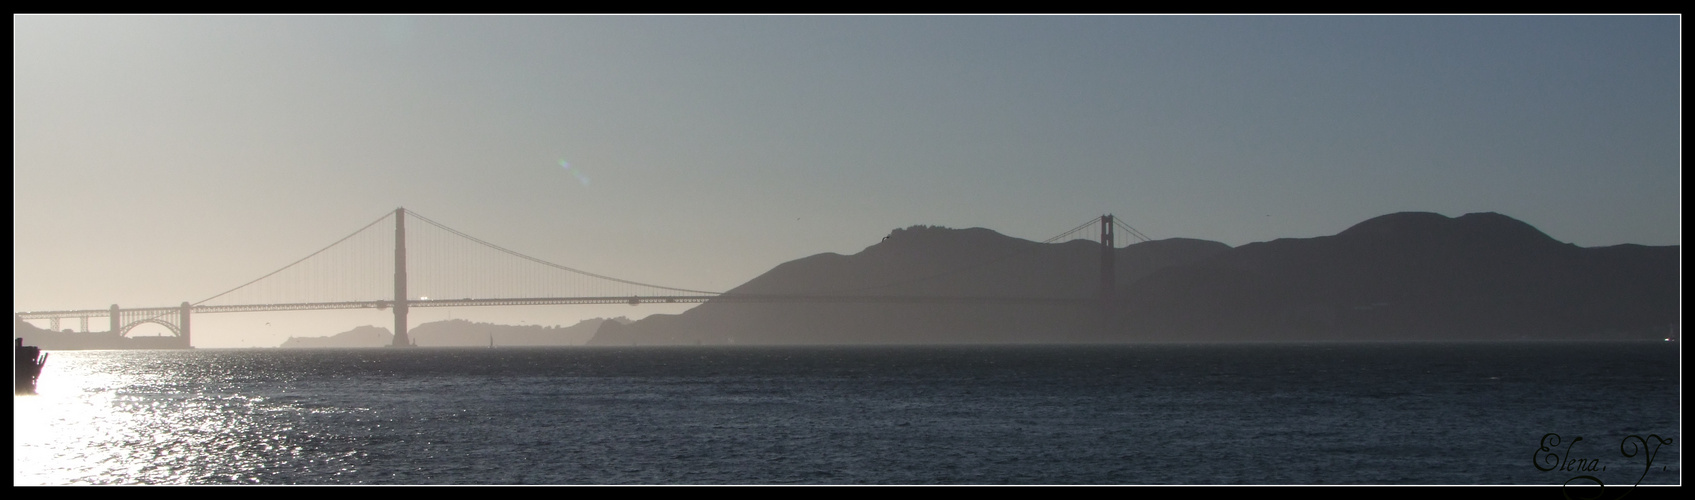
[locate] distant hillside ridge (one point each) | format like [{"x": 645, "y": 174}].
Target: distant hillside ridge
[
  {"x": 1401, "y": 276},
  {"x": 919, "y": 261},
  {"x": 461, "y": 333},
  {"x": 68, "y": 340},
  {"x": 1411, "y": 276},
  {"x": 364, "y": 336}
]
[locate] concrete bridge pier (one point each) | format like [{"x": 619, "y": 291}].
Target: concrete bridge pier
[{"x": 182, "y": 323}]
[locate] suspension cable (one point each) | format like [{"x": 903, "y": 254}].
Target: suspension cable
[
  {"x": 550, "y": 264},
  {"x": 1116, "y": 222},
  {"x": 1133, "y": 232},
  {"x": 302, "y": 259}
]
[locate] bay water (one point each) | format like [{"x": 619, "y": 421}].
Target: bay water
[{"x": 1245, "y": 413}]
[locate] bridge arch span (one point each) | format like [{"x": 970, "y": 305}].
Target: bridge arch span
[{"x": 175, "y": 331}]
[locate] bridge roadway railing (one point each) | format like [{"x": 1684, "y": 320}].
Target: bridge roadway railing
[
  {"x": 632, "y": 300},
  {"x": 753, "y": 298},
  {"x": 95, "y": 313}
]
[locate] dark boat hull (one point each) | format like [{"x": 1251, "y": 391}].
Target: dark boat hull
[{"x": 28, "y": 364}]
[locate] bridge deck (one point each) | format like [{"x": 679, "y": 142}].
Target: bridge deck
[{"x": 635, "y": 300}]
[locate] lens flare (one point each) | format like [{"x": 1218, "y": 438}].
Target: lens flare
[{"x": 574, "y": 173}]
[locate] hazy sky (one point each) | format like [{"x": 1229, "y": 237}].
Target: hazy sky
[{"x": 161, "y": 159}]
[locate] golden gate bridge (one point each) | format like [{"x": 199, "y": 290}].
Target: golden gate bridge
[{"x": 350, "y": 274}]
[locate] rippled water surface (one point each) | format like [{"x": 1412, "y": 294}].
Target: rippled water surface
[{"x": 1394, "y": 413}]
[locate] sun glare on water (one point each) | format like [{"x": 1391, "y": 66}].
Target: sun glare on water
[
  {"x": 55, "y": 432},
  {"x": 107, "y": 417}
]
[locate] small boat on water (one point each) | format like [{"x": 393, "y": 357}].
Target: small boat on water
[{"x": 29, "y": 361}]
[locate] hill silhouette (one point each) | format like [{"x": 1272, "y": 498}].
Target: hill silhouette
[
  {"x": 1403, "y": 276},
  {"x": 917, "y": 261},
  {"x": 1411, "y": 276},
  {"x": 68, "y": 340},
  {"x": 460, "y": 333},
  {"x": 364, "y": 336}
]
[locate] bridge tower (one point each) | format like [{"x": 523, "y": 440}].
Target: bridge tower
[
  {"x": 400, "y": 337},
  {"x": 1109, "y": 276}
]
